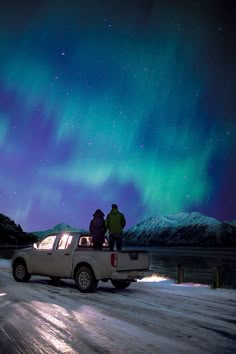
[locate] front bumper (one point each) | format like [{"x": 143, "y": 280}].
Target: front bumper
[{"x": 131, "y": 275}]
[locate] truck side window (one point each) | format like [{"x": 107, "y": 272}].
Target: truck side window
[
  {"x": 64, "y": 242},
  {"x": 47, "y": 243}
]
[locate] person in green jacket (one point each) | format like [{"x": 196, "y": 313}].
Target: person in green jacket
[{"x": 115, "y": 223}]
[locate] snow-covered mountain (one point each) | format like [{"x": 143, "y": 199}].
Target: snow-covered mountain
[
  {"x": 57, "y": 228},
  {"x": 175, "y": 221},
  {"x": 181, "y": 229}
]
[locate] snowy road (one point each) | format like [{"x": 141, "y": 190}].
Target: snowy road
[{"x": 148, "y": 317}]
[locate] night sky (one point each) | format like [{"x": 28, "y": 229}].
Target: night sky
[{"x": 109, "y": 101}]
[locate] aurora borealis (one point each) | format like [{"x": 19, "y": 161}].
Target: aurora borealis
[{"x": 129, "y": 102}]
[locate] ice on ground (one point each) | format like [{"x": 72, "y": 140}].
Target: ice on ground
[{"x": 5, "y": 264}]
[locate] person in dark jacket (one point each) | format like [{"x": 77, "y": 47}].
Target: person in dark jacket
[
  {"x": 98, "y": 229},
  {"x": 115, "y": 222}
]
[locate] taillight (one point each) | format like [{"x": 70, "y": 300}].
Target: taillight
[{"x": 114, "y": 259}]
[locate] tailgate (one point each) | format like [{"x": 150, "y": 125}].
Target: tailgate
[{"x": 133, "y": 260}]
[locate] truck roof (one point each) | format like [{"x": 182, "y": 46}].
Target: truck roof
[
  {"x": 85, "y": 238},
  {"x": 75, "y": 233}
]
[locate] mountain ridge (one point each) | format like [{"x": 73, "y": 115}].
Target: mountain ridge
[
  {"x": 182, "y": 229},
  {"x": 57, "y": 228}
]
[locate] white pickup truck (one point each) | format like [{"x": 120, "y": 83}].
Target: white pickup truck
[{"x": 71, "y": 255}]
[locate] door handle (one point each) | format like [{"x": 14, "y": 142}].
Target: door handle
[
  {"x": 49, "y": 254},
  {"x": 67, "y": 254}
]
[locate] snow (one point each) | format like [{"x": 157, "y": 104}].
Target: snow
[
  {"x": 177, "y": 220},
  {"x": 5, "y": 264},
  {"x": 154, "y": 315}
]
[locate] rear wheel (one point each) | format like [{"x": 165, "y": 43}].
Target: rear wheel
[
  {"x": 121, "y": 284},
  {"x": 20, "y": 272},
  {"x": 85, "y": 280}
]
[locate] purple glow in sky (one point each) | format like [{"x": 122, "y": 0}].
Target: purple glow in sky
[{"x": 107, "y": 102}]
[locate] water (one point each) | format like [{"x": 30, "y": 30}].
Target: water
[{"x": 198, "y": 264}]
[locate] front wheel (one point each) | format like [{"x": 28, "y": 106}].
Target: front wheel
[
  {"x": 121, "y": 284},
  {"x": 85, "y": 280},
  {"x": 20, "y": 272}
]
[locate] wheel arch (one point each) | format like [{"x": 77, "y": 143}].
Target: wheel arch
[
  {"x": 83, "y": 264},
  {"x": 19, "y": 259},
  {"x": 24, "y": 258}
]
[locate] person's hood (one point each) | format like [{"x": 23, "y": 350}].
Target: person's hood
[{"x": 98, "y": 214}]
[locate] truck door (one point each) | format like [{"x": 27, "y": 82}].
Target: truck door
[
  {"x": 41, "y": 260},
  {"x": 62, "y": 255}
]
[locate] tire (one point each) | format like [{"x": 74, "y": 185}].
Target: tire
[
  {"x": 120, "y": 284},
  {"x": 20, "y": 272},
  {"x": 85, "y": 280}
]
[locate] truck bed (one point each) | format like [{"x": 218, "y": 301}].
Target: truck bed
[{"x": 126, "y": 259}]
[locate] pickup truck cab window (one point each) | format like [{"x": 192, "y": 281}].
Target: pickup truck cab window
[
  {"x": 47, "y": 243},
  {"x": 64, "y": 242},
  {"x": 86, "y": 242}
]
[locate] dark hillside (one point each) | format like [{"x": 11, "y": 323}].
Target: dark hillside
[{"x": 12, "y": 234}]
